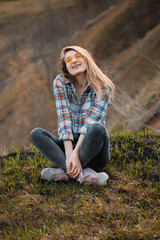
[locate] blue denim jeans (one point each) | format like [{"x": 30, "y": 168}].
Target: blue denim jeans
[{"x": 94, "y": 152}]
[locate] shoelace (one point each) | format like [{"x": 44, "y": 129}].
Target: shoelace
[
  {"x": 87, "y": 179},
  {"x": 59, "y": 176}
]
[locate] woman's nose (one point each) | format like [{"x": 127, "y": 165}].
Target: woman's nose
[{"x": 74, "y": 59}]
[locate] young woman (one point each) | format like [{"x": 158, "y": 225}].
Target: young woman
[{"x": 82, "y": 95}]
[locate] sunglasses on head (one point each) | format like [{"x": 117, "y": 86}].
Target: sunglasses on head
[{"x": 77, "y": 56}]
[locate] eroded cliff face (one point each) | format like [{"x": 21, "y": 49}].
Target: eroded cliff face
[{"x": 122, "y": 35}]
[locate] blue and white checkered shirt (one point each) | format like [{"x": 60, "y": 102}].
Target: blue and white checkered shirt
[{"x": 75, "y": 115}]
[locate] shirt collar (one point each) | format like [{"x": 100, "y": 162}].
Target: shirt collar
[{"x": 67, "y": 82}]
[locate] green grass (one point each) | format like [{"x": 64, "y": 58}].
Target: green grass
[{"x": 128, "y": 208}]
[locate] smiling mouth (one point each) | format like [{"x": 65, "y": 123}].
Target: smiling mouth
[{"x": 76, "y": 66}]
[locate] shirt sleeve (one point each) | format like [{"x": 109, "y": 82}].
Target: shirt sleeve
[
  {"x": 97, "y": 111},
  {"x": 62, "y": 107}
]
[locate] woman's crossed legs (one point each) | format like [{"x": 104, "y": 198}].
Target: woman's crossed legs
[{"x": 94, "y": 152}]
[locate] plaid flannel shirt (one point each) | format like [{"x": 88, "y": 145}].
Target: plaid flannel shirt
[{"x": 75, "y": 115}]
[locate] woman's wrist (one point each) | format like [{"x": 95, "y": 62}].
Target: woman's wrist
[
  {"x": 68, "y": 148},
  {"x": 68, "y": 155},
  {"x": 77, "y": 149},
  {"x": 79, "y": 143}
]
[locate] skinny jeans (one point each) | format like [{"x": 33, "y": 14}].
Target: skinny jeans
[{"x": 94, "y": 151}]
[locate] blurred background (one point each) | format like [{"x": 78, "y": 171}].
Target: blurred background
[{"x": 122, "y": 35}]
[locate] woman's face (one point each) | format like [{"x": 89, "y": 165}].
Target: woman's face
[{"x": 75, "y": 63}]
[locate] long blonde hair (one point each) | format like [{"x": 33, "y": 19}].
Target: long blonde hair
[{"x": 95, "y": 76}]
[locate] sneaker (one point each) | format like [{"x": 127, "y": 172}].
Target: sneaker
[
  {"x": 54, "y": 174},
  {"x": 92, "y": 177}
]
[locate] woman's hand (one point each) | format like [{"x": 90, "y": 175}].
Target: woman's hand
[{"x": 73, "y": 165}]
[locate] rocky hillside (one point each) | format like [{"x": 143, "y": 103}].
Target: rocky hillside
[{"x": 123, "y": 37}]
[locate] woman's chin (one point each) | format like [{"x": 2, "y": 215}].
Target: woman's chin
[{"x": 78, "y": 72}]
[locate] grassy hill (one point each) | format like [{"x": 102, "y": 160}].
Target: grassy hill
[{"x": 128, "y": 208}]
